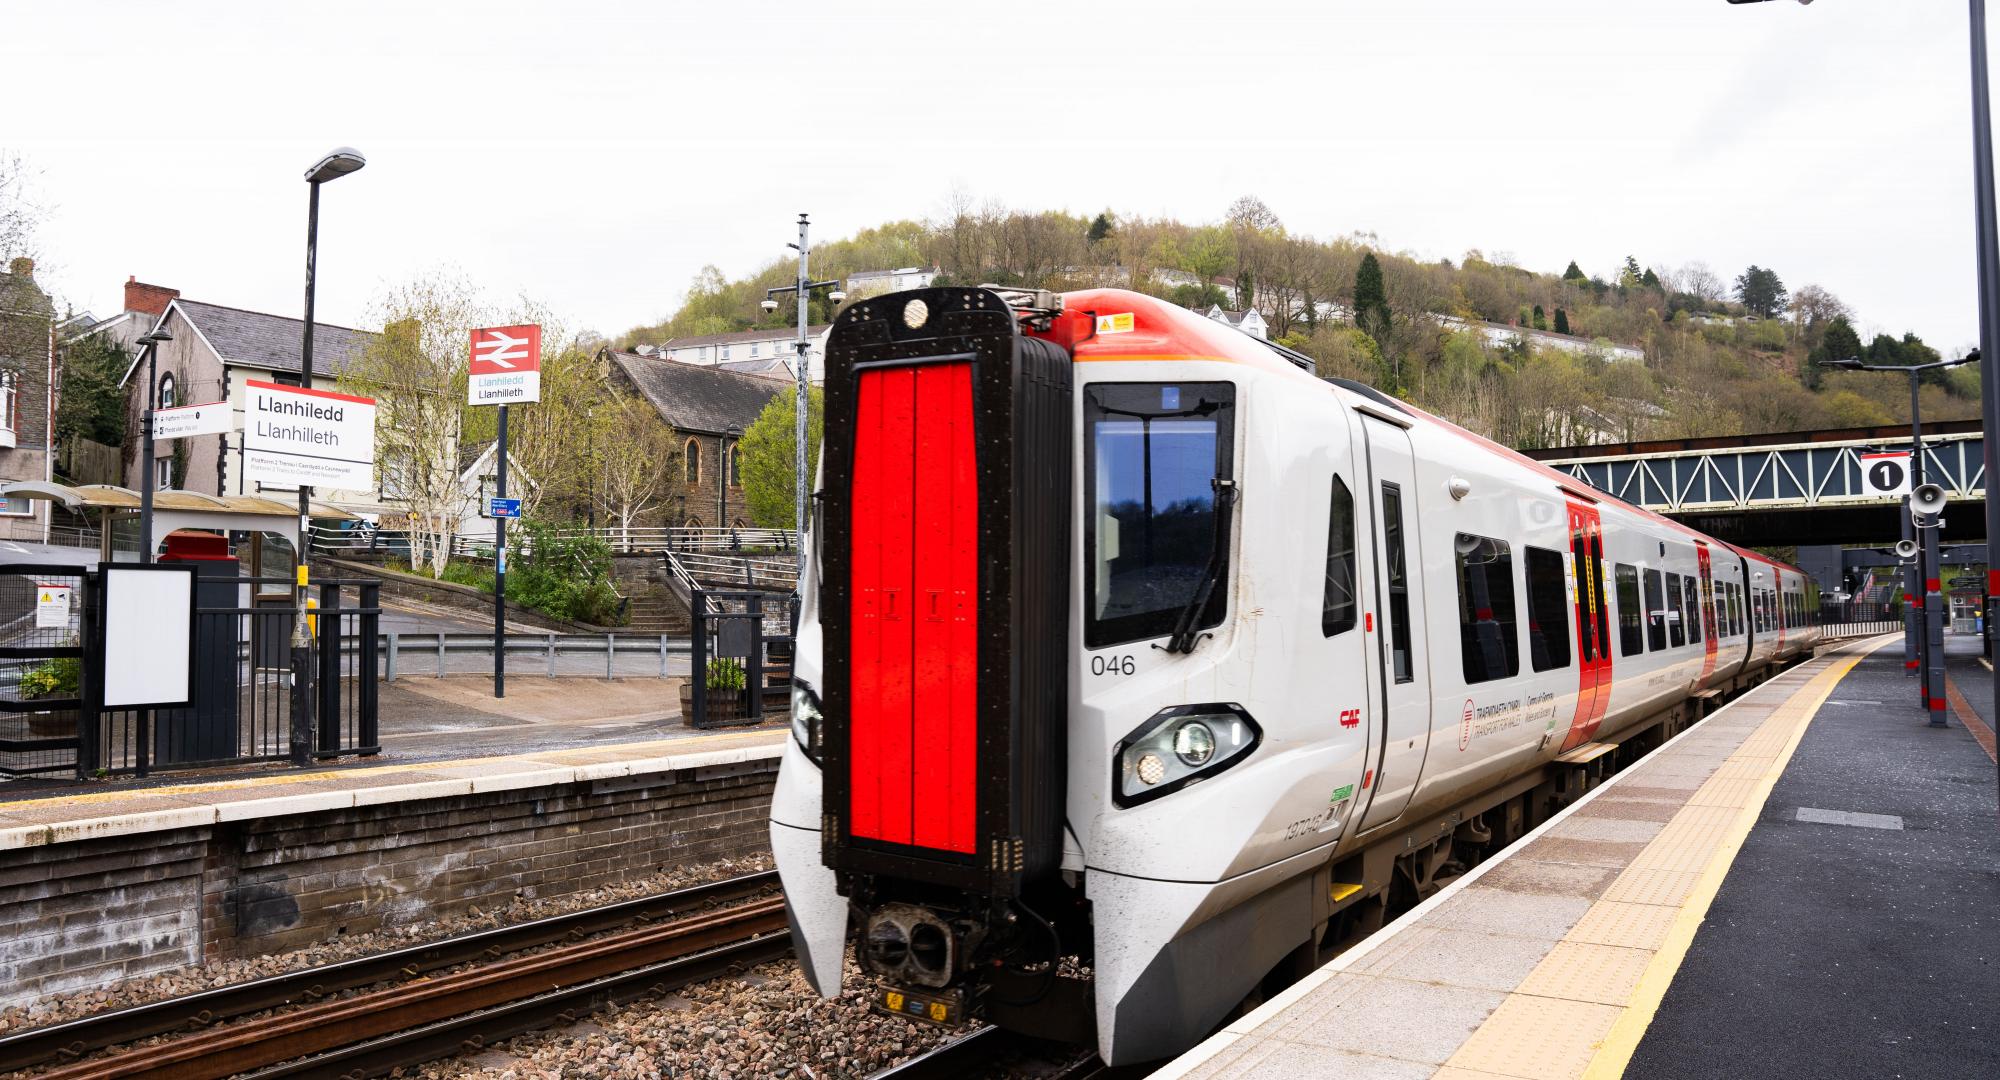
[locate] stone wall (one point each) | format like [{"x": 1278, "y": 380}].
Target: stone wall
[{"x": 79, "y": 915}]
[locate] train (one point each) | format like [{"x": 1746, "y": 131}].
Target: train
[{"x": 1138, "y": 668}]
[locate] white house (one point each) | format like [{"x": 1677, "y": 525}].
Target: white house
[
  {"x": 480, "y": 482},
  {"x": 1250, "y": 322},
  {"x": 876, "y": 282},
  {"x": 751, "y": 352}
]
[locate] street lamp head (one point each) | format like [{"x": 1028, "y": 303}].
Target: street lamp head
[
  {"x": 769, "y": 304},
  {"x": 343, "y": 160},
  {"x": 156, "y": 336}
]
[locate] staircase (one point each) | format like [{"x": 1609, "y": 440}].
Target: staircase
[{"x": 655, "y": 607}]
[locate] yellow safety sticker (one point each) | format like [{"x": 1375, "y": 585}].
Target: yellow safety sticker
[{"x": 1120, "y": 323}]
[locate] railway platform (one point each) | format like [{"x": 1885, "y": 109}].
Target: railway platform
[{"x": 1802, "y": 885}]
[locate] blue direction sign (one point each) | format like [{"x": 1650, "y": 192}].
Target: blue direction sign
[{"x": 503, "y": 508}]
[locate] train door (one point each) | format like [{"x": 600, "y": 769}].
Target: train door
[
  {"x": 1404, "y": 716},
  {"x": 1593, "y": 624},
  {"x": 1705, "y": 617}
]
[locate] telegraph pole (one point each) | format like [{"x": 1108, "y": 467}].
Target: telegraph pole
[{"x": 802, "y": 401}]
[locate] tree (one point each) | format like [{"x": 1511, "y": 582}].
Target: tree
[
  {"x": 91, "y": 405},
  {"x": 1541, "y": 319},
  {"x": 1760, "y": 291},
  {"x": 1574, "y": 273},
  {"x": 20, "y": 215},
  {"x": 1838, "y": 341},
  {"x": 1702, "y": 284},
  {"x": 1562, "y": 321},
  {"x": 416, "y": 370},
  {"x": 634, "y": 450},
  {"x": 1101, "y": 228},
  {"x": 768, "y": 454},
  {"x": 1371, "y": 303},
  {"x": 1813, "y": 311},
  {"x": 1649, "y": 279},
  {"x": 1629, "y": 277},
  {"x": 544, "y": 436}
]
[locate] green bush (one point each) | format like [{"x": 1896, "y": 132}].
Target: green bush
[
  {"x": 564, "y": 575},
  {"x": 725, "y": 673},
  {"x": 60, "y": 677}
]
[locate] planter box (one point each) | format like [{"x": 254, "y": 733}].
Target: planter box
[{"x": 725, "y": 708}]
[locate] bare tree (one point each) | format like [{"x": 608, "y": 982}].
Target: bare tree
[
  {"x": 19, "y": 213},
  {"x": 1697, "y": 280},
  {"x": 634, "y": 449},
  {"x": 546, "y": 438},
  {"x": 1813, "y": 308},
  {"x": 416, "y": 371}
]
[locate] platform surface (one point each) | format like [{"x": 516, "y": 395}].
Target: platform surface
[
  {"x": 1740, "y": 903},
  {"x": 54, "y": 819}
]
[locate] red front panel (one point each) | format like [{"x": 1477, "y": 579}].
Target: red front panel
[
  {"x": 913, "y": 742},
  {"x": 1707, "y": 594}
]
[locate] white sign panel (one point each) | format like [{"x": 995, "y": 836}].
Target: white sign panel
[
  {"x": 51, "y": 607},
  {"x": 1885, "y": 474},
  {"x": 209, "y": 419},
  {"x": 148, "y": 635},
  {"x": 506, "y": 366},
  {"x": 293, "y": 436}
]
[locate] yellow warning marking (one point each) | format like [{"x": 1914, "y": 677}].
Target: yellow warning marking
[
  {"x": 1342, "y": 891},
  {"x": 1615, "y": 1052}
]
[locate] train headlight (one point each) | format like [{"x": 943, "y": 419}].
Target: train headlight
[
  {"x": 806, "y": 720},
  {"x": 1178, "y": 747}
]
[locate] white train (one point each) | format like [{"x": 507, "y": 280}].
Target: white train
[{"x": 1138, "y": 667}]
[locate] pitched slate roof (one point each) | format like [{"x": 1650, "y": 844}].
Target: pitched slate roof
[
  {"x": 273, "y": 342},
  {"x": 696, "y": 399}
]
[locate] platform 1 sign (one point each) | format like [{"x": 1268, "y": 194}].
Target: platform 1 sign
[
  {"x": 293, "y": 437},
  {"x": 1886, "y": 474},
  {"x": 506, "y": 365},
  {"x": 211, "y": 418}
]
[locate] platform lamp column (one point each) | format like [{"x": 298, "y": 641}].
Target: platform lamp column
[
  {"x": 803, "y": 290},
  {"x": 333, "y": 166},
  {"x": 500, "y": 561},
  {"x": 148, "y": 482}
]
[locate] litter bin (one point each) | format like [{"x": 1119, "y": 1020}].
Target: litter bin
[{"x": 207, "y": 730}]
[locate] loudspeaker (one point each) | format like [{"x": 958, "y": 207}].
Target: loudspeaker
[
  {"x": 1927, "y": 499},
  {"x": 1906, "y": 549}
]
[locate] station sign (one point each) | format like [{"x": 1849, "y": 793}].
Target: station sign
[
  {"x": 1886, "y": 474},
  {"x": 212, "y": 418},
  {"x": 506, "y": 365},
  {"x": 503, "y": 508},
  {"x": 296, "y": 437}
]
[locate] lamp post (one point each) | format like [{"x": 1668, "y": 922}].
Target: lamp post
[
  {"x": 152, "y": 343},
  {"x": 333, "y": 166},
  {"x": 1924, "y": 587},
  {"x": 801, "y": 403}
]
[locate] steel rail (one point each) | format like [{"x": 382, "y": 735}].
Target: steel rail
[
  {"x": 333, "y": 1025},
  {"x": 78, "y": 1037}
]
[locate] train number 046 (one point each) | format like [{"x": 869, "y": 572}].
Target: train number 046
[{"x": 1113, "y": 665}]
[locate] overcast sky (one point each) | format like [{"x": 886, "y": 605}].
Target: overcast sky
[{"x": 595, "y": 155}]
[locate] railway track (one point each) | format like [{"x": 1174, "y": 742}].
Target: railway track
[{"x": 423, "y": 1019}]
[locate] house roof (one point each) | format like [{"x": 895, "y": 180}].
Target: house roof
[
  {"x": 272, "y": 342},
  {"x": 780, "y": 333},
  {"x": 697, "y": 398}
]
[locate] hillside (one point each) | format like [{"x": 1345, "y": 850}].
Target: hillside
[{"x": 1719, "y": 357}]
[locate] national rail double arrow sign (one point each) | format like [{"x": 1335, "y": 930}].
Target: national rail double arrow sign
[{"x": 506, "y": 365}]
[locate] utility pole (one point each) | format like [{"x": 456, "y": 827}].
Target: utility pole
[
  {"x": 1989, "y": 302},
  {"x": 802, "y": 401}
]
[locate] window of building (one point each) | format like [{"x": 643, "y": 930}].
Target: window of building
[
  {"x": 1631, "y": 616},
  {"x": 1656, "y": 612},
  {"x": 1486, "y": 635},
  {"x": 755, "y": 348},
  {"x": 163, "y": 473},
  {"x": 1548, "y": 610},
  {"x": 736, "y": 464},
  {"x": 168, "y": 391},
  {"x": 701, "y": 354},
  {"x": 1399, "y": 582},
  {"x": 691, "y": 461},
  {"x": 722, "y": 353},
  {"x": 16, "y": 506},
  {"x": 1337, "y": 610}
]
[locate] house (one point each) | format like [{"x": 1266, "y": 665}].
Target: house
[
  {"x": 27, "y": 374},
  {"x": 1250, "y": 322},
  {"x": 708, "y": 408},
  {"x": 867, "y": 283},
  {"x": 216, "y": 350},
  {"x": 480, "y": 482},
  {"x": 746, "y": 347},
  {"x": 1503, "y": 335}
]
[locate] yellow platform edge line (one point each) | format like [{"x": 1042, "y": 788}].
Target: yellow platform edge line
[{"x": 1622, "y": 1041}]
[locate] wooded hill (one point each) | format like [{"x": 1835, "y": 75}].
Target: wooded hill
[{"x": 1721, "y": 356}]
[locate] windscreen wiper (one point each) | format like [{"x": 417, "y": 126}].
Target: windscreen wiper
[{"x": 1184, "y": 636}]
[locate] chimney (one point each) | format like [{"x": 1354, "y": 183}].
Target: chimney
[
  {"x": 151, "y": 299},
  {"x": 23, "y": 268}
]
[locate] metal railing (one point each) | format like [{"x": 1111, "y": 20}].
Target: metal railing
[
  {"x": 607, "y": 656},
  {"x": 633, "y": 541},
  {"x": 1860, "y": 629}
]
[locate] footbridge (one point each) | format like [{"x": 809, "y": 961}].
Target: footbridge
[{"x": 1797, "y": 487}]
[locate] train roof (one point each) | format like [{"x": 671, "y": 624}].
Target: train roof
[{"x": 1112, "y": 325}]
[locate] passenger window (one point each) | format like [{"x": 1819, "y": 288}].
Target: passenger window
[
  {"x": 1630, "y": 618},
  {"x": 1399, "y": 581},
  {"x": 1486, "y": 634},
  {"x": 1548, "y": 610},
  {"x": 1336, "y": 613},
  {"x": 1676, "y": 612},
  {"x": 1656, "y": 612}
]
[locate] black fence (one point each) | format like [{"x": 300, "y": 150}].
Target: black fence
[
  {"x": 740, "y": 661},
  {"x": 243, "y": 708}
]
